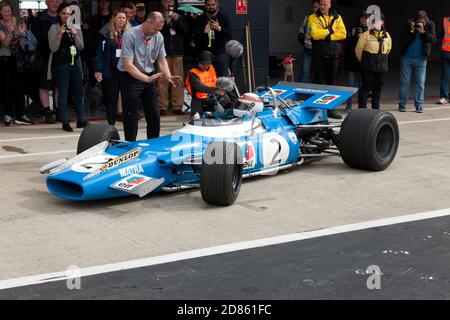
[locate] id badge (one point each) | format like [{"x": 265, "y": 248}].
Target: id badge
[
  {"x": 73, "y": 50},
  {"x": 118, "y": 53},
  {"x": 173, "y": 32}
]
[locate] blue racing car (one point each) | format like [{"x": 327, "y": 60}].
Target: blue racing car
[{"x": 265, "y": 132}]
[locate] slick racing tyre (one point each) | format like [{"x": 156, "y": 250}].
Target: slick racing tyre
[
  {"x": 221, "y": 173},
  {"x": 369, "y": 139},
  {"x": 94, "y": 134}
]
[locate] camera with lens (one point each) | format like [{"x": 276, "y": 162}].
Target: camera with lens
[{"x": 216, "y": 102}]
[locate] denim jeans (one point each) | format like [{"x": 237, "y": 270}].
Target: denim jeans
[
  {"x": 445, "y": 78},
  {"x": 353, "y": 80},
  {"x": 305, "y": 73},
  {"x": 69, "y": 76},
  {"x": 407, "y": 67}
]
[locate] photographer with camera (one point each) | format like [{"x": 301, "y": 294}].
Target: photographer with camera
[
  {"x": 212, "y": 32},
  {"x": 65, "y": 44},
  {"x": 417, "y": 40},
  {"x": 351, "y": 62}
]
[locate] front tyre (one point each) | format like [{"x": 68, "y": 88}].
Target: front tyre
[
  {"x": 94, "y": 134},
  {"x": 221, "y": 173},
  {"x": 369, "y": 139}
]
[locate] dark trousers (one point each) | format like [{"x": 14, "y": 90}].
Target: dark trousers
[
  {"x": 111, "y": 88},
  {"x": 221, "y": 63},
  {"x": 325, "y": 69},
  {"x": 445, "y": 78},
  {"x": 370, "y": 82},
  {"x": 12, "y": 87},
  {"x": 66, "y": 77},
  {"x": 137, "y": 94}
]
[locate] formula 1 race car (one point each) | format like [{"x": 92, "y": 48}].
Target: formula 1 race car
[{"x": 271, "y": 130}]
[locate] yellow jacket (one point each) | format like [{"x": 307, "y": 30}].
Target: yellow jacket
[
  {"x": 318, "y": 25},
  {"x": 368, "y": 42}
]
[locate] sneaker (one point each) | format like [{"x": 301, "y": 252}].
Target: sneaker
[
  {"x": 419, "y": 109},
  {"x": 8, "y": 121},
  {"x": 119, "y": 117},
  {"x": 401, "y": 109},
  {"x": 23, "y": 120},
  {"x": 179, "y": 112},
  {"x": 162, "y": 112},
  {"x": 442, "y": 101},
  {"x": 66, "y": 127},
  {"x": 82, "y": 124},
  {"x": 334, "y": 115}
]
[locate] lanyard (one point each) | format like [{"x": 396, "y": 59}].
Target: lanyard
[
  {"x": 146, "y": 42},
  {"x": 119, "y": 42}
]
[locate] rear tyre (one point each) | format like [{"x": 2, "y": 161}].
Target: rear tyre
[
  {"x": 221, "y": 173},
  {"x": 369, "y": 139},
  {"x": 94, "y": 134}
]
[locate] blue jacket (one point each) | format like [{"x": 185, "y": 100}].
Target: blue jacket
[{"x": 106, "y": 60}]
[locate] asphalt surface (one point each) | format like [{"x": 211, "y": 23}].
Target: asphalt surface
[
  {"x": 43, "y": 234},
  {"x": 412, "y": 258}
]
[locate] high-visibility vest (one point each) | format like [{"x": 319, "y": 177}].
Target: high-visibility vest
[
  {"x": 207, "y": 78},
  {"x": 446, "y": 39}
]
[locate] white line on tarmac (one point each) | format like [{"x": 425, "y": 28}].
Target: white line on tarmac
[
  {"x": 40, "y": 138},
  {"x": 68, "y": 136},
  {"x": 437, "y": 108},
  {"x": 425, "y": 121},
  {"x": 66, "y": 151},
  {"x": 26, "y": 155},
  {"x": 233, "y": 247},
  {"x": 163, "y": 128}
]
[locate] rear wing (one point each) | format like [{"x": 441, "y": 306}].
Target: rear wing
[{"x": 311, "y": 96}]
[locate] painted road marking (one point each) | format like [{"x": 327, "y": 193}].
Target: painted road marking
[
  {"x": 425, "y": 121},
  {"x": 70, "y": 136},
  {"x": 36, "y": 154},
  {"x": 233, "y": 247}
]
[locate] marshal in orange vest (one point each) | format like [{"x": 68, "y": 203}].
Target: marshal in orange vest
[
  {"x": 207, "y": 78},
  {"x": 446, "y": 39}
]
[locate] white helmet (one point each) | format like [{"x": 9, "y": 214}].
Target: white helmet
[{"x": 249, "y": 103}]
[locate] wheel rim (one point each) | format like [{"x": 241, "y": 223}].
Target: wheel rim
[{"x": 385, "y": 141}]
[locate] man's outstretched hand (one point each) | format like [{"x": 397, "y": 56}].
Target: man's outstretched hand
[{"x": 173, "y": 80}]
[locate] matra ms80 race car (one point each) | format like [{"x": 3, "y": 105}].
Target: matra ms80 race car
[{"x": 276, "y": 129}]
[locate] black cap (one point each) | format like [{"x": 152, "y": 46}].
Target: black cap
[
  {"x": 364, "y": 14},
  {"x": 205, "y": 57}
]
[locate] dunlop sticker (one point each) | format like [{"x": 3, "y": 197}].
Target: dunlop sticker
[{"x": 114, "y": 163}]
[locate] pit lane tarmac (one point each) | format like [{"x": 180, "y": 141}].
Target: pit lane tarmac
[{"x": 43, "y": 234}]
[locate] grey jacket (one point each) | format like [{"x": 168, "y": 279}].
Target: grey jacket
[{"x": 54, "y": 42}]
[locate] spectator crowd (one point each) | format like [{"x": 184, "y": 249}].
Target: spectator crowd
[
  {"x": 366, "y": 55},
  {"x": 138, "y": 59}
]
